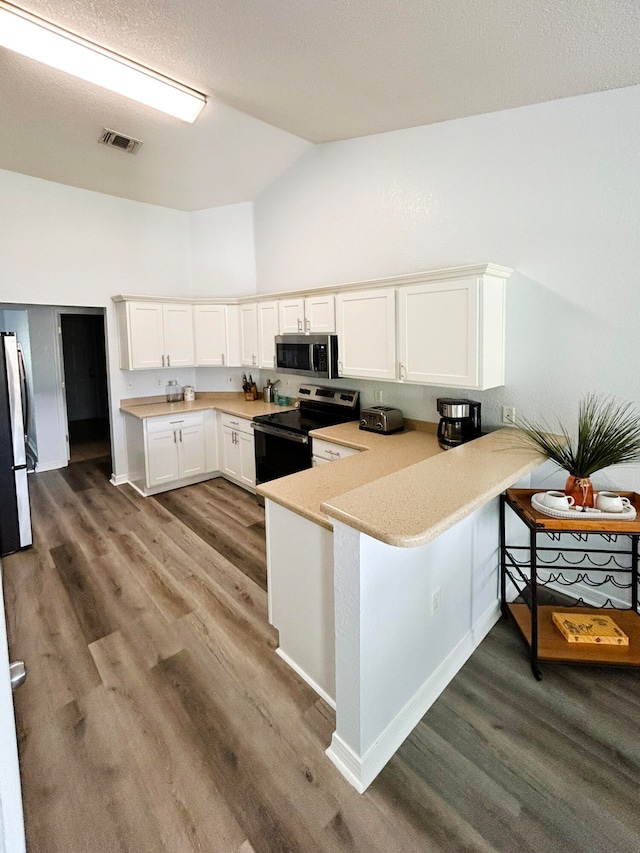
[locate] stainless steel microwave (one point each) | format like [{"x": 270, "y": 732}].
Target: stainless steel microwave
[{"x": 315, "y": 356}]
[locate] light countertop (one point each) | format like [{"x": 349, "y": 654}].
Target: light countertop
[
  {"x": 230, "y": 402},
  {"x": 403, "y": 489}
]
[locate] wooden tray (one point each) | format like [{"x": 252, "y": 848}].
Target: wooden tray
[{"x": 520, "y": 500}]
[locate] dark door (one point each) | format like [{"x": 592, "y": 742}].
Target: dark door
[{"x": 85, "y": 376}]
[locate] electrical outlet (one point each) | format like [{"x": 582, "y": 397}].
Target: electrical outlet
[
  {"x": 230, "y": 380},
  {"x": 435, "y": 600},
  {"x": 377, "y": 396},
  {"x": 509, "y": 415},
  {"x": 159, "y": 381}
]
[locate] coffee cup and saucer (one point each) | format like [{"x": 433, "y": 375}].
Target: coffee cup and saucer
[
  {"x": 612, "y": 502},
  {"x": 557, "y": 500}
]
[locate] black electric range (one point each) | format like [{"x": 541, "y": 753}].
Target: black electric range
[{"x": 282, "y": 443}]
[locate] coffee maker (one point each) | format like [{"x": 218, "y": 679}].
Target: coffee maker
[{"x": 459, "y": 421}]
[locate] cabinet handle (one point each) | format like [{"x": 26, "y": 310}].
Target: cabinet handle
[
  {"x": 401, "y": 369},
  {"x": 308, "y": 326},
  {"x": 299, "y": 325},
  {"x": 235, "y": 423},
  {"x": 180, "y": 436},
  {"x": 274, "y": 361},
  {"x": 222, "y": 358},
  {"x": 334, "y": 452},
  {"x": 168, "y": 361},
  {"x": 253, "y": 360},
  {"x": 339, "y": 367},
  {"x": 175, "y": 440},
  {"x": 163, "y": 361}
]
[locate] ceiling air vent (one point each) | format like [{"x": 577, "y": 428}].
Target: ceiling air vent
[{"x": 118, "y": 140}]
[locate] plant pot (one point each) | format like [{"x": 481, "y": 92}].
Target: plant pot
[{"x": 581, "y": 490}]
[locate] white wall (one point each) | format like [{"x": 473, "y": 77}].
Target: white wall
[
  {"x": 222, "y": 251},
  {"x": 69, "y": 247},
  {"x": 552, "y": 190}
]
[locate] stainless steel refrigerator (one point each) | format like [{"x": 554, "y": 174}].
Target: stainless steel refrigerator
[{"x": 15, "y": 515}]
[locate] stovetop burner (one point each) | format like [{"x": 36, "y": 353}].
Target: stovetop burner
[{"x": 319, "y": 407}]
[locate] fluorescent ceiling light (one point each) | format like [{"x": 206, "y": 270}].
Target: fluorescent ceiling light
[{"x": 44, "y": 42}]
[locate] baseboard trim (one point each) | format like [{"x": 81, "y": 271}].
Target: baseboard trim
[
  {"x": 360, "y": 771},
  {"x": 303, "y": 675},
  {"x": 167, "y": 487},
  {"x": 118, "y": 480}
]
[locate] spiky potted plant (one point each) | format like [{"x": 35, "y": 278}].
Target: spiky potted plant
[{"x": 608, "y": 434}]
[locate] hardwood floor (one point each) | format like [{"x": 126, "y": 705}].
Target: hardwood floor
[
  {"x": 157, "y": 717},
  {"x": 89, "y": 439}
]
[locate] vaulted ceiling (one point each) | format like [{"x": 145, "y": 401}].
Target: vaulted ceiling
[{"x": 283, "y": 74}]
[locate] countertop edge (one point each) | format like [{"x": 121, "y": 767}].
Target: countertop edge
[{"x": 414, "y": 540}]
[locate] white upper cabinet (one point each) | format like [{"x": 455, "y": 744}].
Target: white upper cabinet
[
  {"x": 217, "y": 335},
  {"x": 155, "y": 334},
  {"x": 451, "y": 333},
  {"x": 291, "y": 316},
  {"x": 249, "y": 334},
  {"x": 366, "y": 325},
  {"x": 268, "y": 328},
  {"x": 320, "y": 314},
  {"x": 308, "y": 315},
  {"x": 444, "y": 328},
  {"x": 210, "y": 326},
  {"x": 177, "y": 321}
]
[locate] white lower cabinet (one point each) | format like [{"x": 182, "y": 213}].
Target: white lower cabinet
[
  {"x": 174, "y": 448},
  {"x": 171, "y": 451},
  {"x": 238, "y": 452}
]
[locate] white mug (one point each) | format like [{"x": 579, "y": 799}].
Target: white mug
[
  {"x": 557, "y": 500},
  {"x": 611, "y": 502}
]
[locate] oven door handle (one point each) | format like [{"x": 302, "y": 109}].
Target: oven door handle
[{"x": 281, "y": 433}]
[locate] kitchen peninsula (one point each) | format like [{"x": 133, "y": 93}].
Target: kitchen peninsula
[{"x": 383, "y": 576}]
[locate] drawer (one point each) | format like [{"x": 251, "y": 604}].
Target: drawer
[
  {"x": 330, "y": 451},
  {"x": 233, "y": 422},
  {"x": 171, "y": 422}
]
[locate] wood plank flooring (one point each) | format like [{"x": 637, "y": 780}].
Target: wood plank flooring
[{"x": 157, "y": 717}]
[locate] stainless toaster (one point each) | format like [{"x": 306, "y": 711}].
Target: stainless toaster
[{"x": 382, "y": 419}]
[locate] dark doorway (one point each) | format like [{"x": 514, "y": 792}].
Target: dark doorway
[{"x": 85, "y": 376}]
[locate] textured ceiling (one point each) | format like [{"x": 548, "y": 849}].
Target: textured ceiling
[{"x": 282, "y": 72}]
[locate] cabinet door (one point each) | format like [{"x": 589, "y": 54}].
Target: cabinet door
[
  {"x": 162, "y": 458},
  {"x": 178, "y": 335},
  {"x": 145, "y": 335},
  {"x": 247, "y": 459},
  {"x": 268, "y": 328},
  {"x": 191, "y": 450},
  {"x": 365, "y": 322},
  {"x": 231, "y": 452},
  {"x": 249, "y": 335},
  {"x": 292, "y": 316},
  {"x": 438, "y": 333},
  {"x": 210, "y": 328},
  {"x": 320, "y": 314}
]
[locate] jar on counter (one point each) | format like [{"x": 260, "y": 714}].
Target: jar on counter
[
  {"x": 189, "y": 393},
  {"x": 173, "y": 391}
]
